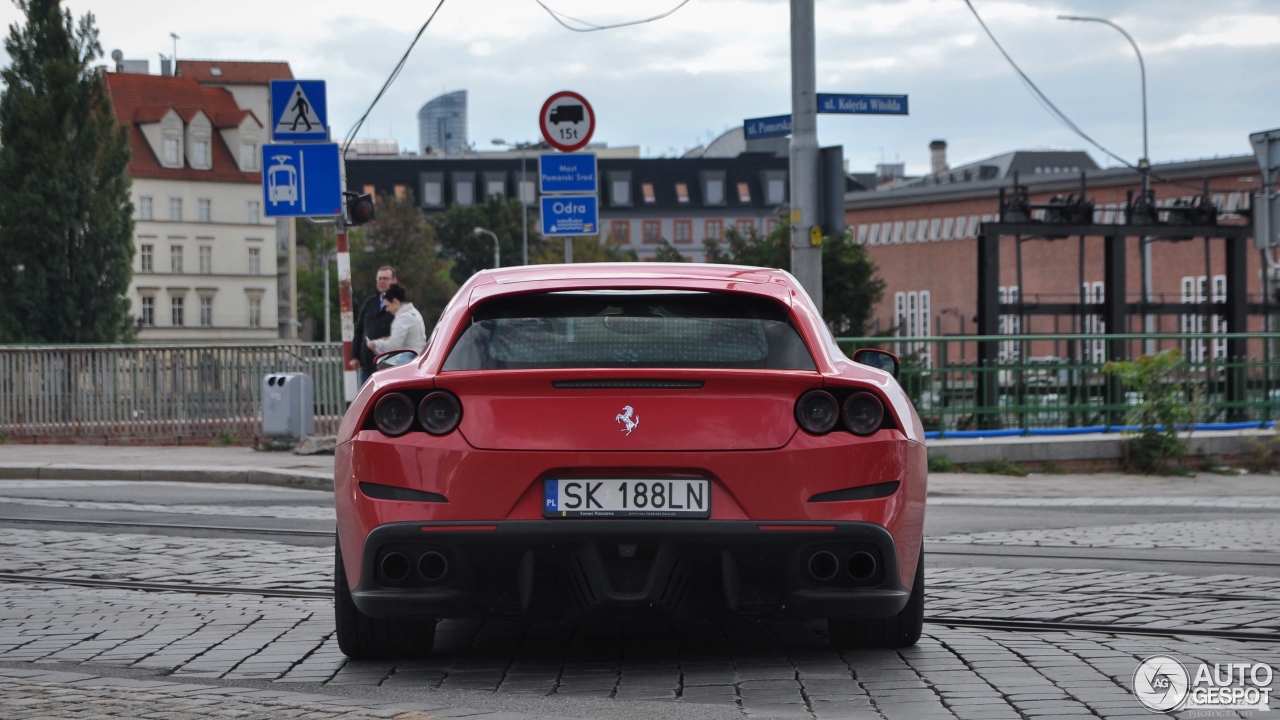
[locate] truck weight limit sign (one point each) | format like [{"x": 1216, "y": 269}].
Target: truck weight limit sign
[{"x": 567, "y": 121}]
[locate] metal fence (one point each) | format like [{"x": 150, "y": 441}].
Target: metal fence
[
  {"x": 1057, "y": 381},
  {"x": 157, "y": 393}
]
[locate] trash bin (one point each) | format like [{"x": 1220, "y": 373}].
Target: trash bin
[{"x": 288, "y": 407}]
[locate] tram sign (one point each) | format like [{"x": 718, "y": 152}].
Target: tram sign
[
  {"x": 567, "y": 121},
  {"x": 301, "y": 180}
]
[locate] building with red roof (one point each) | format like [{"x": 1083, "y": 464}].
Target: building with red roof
[{"x": 209, "y": 266}]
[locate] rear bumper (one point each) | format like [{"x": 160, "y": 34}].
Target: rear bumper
[{"x": 566, "y": 567}]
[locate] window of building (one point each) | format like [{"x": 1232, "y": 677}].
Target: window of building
[
  {"x": 873, "y": 234},
  {"x": 206, "y": 311},
  {"x": 775, "y": 191},
  {"x": 861, "y": 234},
  {"x": 973, "y": 227},
  {"x": 282, "y": 235},
  {"x": 204, "y": 209},
  {"x": 897, "y": 232},
  {"x": 206, "y": 259},
  {"x": 911, "y": 320},
  {"x": 433, "y": 192},
  {"x": 620, "y": 189},
  {"x": 744, "y": 193},
  {"x": 714, "y": 230},
  {"x": 935, "y": 227},
  {"x": 144, "y": 208},
  {"x": 175, "y": 208},
  {"x": 652, "y": 231},
  {"x": 148, "y": 311},
  {"x": 526, "y": 192},
  {"x": 248, "y": 155},
  {"x": 620, "y": 231},
  {"x": 176, "y": 303},
  {"x": 171, "y": 152},
  {"x": 683, "y": 231},
  {"x": 175, "y": 259},
  {"x": 911, "y": 231},
  {"x": 200, "y": 153},
  {"x": 713, "y": 191},
  {"x": 947, "y": 225},
  {"x": 745, "y": 227},
  {"x": 495, "y": 184},
  {"x": 255, "y": 312},
  {"x": 646, "y": 190},
  {"x": 255, "y": 261},
  {"x": 1194, "y": 290},
  {"x": 770, "y": 225},
  {"x": 464, "y": 192},
  {"x": 253, "y": 212},
  {"x": 682, "y": 193},
  {"x": 398, "y": 192}
]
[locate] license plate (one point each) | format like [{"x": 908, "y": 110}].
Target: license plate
[{"x": 632, "y": 497}]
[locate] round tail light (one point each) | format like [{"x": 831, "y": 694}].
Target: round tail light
[
  {"x": 817, "y": 411},
  {"x": 393, "y": 414},
  {"x": 440, "y": 412},
  {"x": 863, "y": 413}
]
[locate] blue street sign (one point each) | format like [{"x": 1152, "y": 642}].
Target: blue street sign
[
  {"x": 862, "y": 104},
  {"x": 559, "y": 173},
  {"x": 568, "y": 215},
  {"x": 299, "y": 111},
  {"x": 301, "y": 180},
  {"x": 767, "y": 127}
]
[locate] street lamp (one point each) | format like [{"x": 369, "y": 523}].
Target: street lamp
[
  {"x": 497, "y": 262},
  {"x": 1144, "y": 167},
  {"x": 524, "y": 206}
]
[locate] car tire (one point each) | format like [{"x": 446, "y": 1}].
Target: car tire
[
  {"x": 361, "y": 637},
  {"x": 896, "y": 631}
]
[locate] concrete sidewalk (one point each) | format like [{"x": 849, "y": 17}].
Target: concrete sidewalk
[{"x": 315, "y": 472}]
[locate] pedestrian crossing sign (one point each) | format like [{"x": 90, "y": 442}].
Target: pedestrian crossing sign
[{"x": 298, "y": 111}]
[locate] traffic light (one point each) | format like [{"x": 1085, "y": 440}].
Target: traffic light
[{"x": 360, "y": 208}]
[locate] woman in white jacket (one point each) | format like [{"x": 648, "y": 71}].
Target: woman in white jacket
[{"x": 408, "y": 331}]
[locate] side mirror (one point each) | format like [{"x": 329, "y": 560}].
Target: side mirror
[
  {"x": 878, "y": 359},
  {"x": 394, "y": 358}
]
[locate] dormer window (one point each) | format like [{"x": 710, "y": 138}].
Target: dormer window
[
  {"x": 200, "y": 153},
  {"x": 172, "y": 157},
  {"x": 248, "y": 155},
  {"x": 682, "y": 193}
]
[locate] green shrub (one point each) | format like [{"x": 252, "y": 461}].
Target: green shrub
[
  {"x": 1163, "y": 407},
  {"x": 941, "y": 464},
  {"x": 996, "y": 467}
]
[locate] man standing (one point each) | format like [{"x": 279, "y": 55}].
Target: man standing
[{"x": 373, "y": 320}]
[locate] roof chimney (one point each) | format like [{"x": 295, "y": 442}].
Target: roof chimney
[
  {"x": 938, "y": 157},
  {"x": 164, "y": 66}
]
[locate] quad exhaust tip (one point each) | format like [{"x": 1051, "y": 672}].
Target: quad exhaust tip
[
  {"x": 823, "y": 565},
  {"x": 433, "y": 566},
  {"x": 395, "y": 566},
  {"x": 861, "y": 565}
]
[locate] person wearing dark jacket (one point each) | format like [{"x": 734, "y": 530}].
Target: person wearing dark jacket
[{"x": 373, "y": 320}]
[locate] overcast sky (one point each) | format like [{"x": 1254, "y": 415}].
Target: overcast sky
[{"x": 1213, "y": 68}]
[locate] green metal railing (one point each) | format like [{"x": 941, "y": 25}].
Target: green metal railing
[{"x": 1057, "y": 381}]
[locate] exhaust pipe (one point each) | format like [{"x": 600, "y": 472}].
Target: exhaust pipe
[
  {"x": 395, "y": 566},
  {"x": 433, "y": 566},
  {"x": 861, "y": 565},
  {"x": 823, "y": 565}
]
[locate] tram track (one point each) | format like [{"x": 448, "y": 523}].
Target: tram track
[
  {"x": 946, "y": 621},
  {"x": 239, "y": 529}
]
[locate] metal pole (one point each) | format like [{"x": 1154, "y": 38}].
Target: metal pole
[
  {"x": 349, "y": 378},
  {"x": 524, "y": 209},
  {"x": 326, "y": 300},
  {"x": 806, "y": 254},
  {"x": 1144, "y": 167}
]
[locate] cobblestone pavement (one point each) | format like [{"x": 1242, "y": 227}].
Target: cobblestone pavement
[
  {"x": 775, "y": 669},
  {"x": 283, "y": 512},
  {"x": 1232, "y": 535},
  {"x": 1190, "y": 501}
]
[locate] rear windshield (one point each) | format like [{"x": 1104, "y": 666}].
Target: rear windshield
[{"x": 637, "y": 329}]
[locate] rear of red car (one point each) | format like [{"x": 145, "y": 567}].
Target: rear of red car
[{"x": 606, "y": 440}]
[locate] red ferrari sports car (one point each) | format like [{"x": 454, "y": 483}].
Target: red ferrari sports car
[{"x": 614, "y": 438}]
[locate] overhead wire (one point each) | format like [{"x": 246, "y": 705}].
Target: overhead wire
[
  {"x": 1058, "y": 114},
  {"x": 395, "y": 72},
  {"x": 560, "y": 17}
]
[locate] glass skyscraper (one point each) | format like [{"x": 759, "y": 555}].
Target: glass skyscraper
[{"x": 442, "y": 123}]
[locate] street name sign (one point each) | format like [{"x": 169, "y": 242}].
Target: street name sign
[
  {"x": 567, "y": 121},
  {"x": 766, "y": 127},
  {"x": 299, "y": 111},
  {"x": 862, "y": 104},
  {"x": 570, "y": 215},
  {"x": 301, "y": 180},
  {"x": 558, "y": 174}
]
